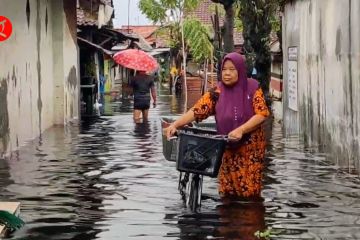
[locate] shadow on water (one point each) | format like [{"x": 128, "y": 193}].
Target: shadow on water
[{"x": 109, "y": 180}]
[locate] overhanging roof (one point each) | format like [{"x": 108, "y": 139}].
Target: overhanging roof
[
  {"x": 108, "y": 52},
  {"x": 157, "y": 51},
  {"x": 121, "y": 36},
  {"x": 104, "y": 39}
]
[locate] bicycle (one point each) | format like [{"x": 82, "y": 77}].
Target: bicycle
[
  {"x": 197, "y": 152},
  {"x": 190, "y": 188}
]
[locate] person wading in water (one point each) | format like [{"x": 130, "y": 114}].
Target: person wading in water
[{"x": 142, "y": 85}]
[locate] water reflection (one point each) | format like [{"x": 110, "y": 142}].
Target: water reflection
[
  {"x": 144, "y": 139},
  {"x": 229, "y": 220},
  {"x": 240, "y": 220},
  {"x": 50, "y": 181},
  {"x": 142, "y": 130}
]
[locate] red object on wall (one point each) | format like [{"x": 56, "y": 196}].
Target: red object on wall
[{"x": 276, "y": 84}]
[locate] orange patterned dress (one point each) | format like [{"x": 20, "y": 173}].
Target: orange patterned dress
[{"x": 240, "y": 174}]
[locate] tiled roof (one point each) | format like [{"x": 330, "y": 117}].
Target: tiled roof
[
  {"x": 145, "y": 30},
  {"x": 85, "y": 20},
  {"x": 203, "y": 12}
]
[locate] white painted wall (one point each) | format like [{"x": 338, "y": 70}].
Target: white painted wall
[
  {"x": 30, "y": 72},
  {"x": 327, "y": 35}
]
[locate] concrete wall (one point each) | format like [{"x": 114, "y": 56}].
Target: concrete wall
[
  {"x": 38, "y": 75},
  {"x": 327, "y": 35}
]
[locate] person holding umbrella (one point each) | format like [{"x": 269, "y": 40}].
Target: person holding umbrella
[{"x": 141, "y": 83}]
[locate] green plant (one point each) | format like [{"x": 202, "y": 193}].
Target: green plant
[
  {"x": 197, "y": 38},
  {"x": 267, "y": 233},
  {"x": 170, "y": 13},
  {"x": 89, "y": 69},
  {"x": 10, "y": 220}
]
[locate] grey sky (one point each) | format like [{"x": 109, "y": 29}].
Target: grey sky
[{"x": 121, "y": 14}]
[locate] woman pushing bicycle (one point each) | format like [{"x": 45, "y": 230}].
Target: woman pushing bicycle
[{"x": 239, "y": 108}]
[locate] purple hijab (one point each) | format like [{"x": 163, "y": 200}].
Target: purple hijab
[{"x": 234, "y": 106}]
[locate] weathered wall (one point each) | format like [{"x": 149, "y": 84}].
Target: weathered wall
[
  {"x": 328, "y": 39},
  {"x": 34, "y": 69}
]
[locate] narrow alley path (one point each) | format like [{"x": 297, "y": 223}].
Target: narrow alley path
[{"x": 109, "y": 180}]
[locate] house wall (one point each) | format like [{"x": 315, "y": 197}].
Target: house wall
[
  {"x": 38, "y": 76},
  {"x": 327, "y": 36}
]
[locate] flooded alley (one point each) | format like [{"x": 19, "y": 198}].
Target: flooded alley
[{"x": 109, "y": 180}]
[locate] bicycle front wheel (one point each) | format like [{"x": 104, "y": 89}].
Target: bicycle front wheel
[{"x": 195, "y": 190}]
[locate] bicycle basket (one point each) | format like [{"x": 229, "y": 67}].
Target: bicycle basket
[
  {"x": 169, "y": 147},
  {"x": 199, "y": 153}
]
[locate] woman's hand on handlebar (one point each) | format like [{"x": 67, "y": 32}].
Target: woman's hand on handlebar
[
  {"x": 236, "y": 135},
  {"x": 170, "y": 131}
]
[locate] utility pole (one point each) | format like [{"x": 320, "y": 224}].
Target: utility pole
[
  {"x": 184, "y": 55},
  {"x": 128, "y": 16}
]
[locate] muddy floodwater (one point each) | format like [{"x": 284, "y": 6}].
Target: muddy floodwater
[{"x": 109, "y": 180}]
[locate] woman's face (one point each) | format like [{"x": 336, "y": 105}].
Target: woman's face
[{"x": 229, "y": 73}]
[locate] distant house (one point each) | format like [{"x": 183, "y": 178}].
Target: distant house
[
  {"x": 96, "y": 39},
  {"x": 147, "y": 32},
  {"x": 151, "y": 42}
]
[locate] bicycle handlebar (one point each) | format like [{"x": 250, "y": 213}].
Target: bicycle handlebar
[{"x": 218, "y": 136}]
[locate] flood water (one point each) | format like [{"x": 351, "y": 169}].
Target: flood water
[{"x": 109, "y": 180}]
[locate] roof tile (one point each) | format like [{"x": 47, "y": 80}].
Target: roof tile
[
  {"x": 83, "y": 19},
  {"x": 143, "y": 30},
  {"x": 204, "y": 12}
]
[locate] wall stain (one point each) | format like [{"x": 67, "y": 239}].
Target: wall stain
[
  {"x": 13, "y": 78},
  {"x": 72, "y": 81},
  {"x": 72, "y": 78},
  {"x": 66, "y": 107},
  {"x": 71, "y": 110},
  {"x": 322, "y": 50},
  {"x": 319, "y": 132},
  {"x": 27, "y": 10},
  {"x": 46, "y": 20},
  {"x": 338, "y": 44},
  {"x": 70, "y": 13},
  {"x": 38, "y": 35},
  {"x": 4, "y": 117},
  {"x": 351, "y": 92}
]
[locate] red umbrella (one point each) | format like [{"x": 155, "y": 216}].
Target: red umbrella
[{"x": 136, "y": 59}]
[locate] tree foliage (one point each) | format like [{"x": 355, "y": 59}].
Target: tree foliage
[
  {"x": 197, "y": 38},
  {"x": 258, "y": 17},
  {"x": 170, "y": 13}
]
